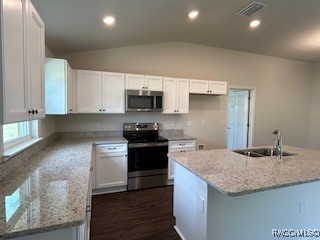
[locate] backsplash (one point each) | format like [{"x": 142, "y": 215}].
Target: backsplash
[
  {"x": 89, "y": 134},
  {"x": 22, "y": 158},
  {"x": 170, "y": 132}
]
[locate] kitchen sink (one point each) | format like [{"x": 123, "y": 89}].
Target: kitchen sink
[{"x": 261, "y": 152}]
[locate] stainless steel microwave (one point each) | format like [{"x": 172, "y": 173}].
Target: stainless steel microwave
[{"x": 143, "y": 101}]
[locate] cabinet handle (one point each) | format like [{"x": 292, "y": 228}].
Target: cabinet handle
[
  {"x": 36, "y": 111},
  {"x": 70, "y": 110},
  {"x": 182, "y": 144},
  {"x": 29, "y": 111},
  {"x": 104, "y": 110},
  {"x": 99, "y": 110},
  {"x": 177, "y": 110},
  {"x": 146, "y": 87},
  {"x": 112, "y": 148},
  {"x": 210, "y": 91},
  {"x": 143, "y": 87},
  {"x": 32, "y": 111}
]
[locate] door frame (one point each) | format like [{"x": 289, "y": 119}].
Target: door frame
[{"x": 252, "y": 104}]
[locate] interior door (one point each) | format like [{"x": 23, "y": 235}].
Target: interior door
[{"x": 238, "y": 118}]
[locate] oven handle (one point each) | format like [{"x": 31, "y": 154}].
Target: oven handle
[{"x": 154, "y": 144}]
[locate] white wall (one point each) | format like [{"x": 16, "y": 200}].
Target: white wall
[
  {"x": 282, "y": 86},
  {"x": 314, "y": 139}
]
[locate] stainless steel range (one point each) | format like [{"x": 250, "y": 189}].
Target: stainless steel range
[{"x": 147, "y": 156}]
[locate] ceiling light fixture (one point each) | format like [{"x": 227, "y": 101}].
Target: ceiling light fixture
[
  {"x": 254, "y": 23},
  {"x": 109, "y": 20},
  {"x": 193, "y": 14}
]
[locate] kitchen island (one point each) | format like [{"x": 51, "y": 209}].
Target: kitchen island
[{"x": 223, "y": 195}]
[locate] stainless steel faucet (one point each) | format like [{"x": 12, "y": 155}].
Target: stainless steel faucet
[{"x": 277, "y": 144}]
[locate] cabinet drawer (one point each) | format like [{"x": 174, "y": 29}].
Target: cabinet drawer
[
  {"x": 182, "y": 149},
  {"x": 111, "y": 148},
  {"x": 182, "y": 144}
]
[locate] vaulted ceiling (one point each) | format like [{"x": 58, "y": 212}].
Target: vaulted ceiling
[{"x": 289, "y": 28}]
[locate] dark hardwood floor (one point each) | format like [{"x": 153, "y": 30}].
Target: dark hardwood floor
[{"x": 144, "y": 214}]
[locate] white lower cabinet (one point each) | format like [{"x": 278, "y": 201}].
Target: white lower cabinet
[
  {"x": 73, "y": 233},
  {"x": 111, "y": 168},
  {"x": 178, "y": 146}
]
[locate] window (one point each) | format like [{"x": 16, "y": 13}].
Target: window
[{"x": 15, "y": 133}]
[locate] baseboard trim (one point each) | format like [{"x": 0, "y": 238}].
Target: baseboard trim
[
  {"x": 179, "y": 233},
  {"x": 99, "y": 191}
]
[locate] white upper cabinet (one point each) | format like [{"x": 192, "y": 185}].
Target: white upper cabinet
[
  {"x": 36, "y": 58},
  {"x": 143, "y": 82},
  {"x": 59, "y": 87},
  {"x": 208, "y": 87},
  {"x": 175, "y": 95},
  {"x": 219, "y": 88},
  {"x": 100, "y": 92},
  {"x": 89, "y": 91},
  {"x": 113, "y": 86},
  {"x": 22, "y": 62}
]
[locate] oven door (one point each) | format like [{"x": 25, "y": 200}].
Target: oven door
[{"x": 147, "y": 159}]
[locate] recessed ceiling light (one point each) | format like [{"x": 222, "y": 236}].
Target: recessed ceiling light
[
  {"x": 254, "y": 23},
  {"x": 109, "y": 20},
  {"x": 193, "y": 14}
]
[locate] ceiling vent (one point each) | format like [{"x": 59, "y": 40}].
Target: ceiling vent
[{"x": 251, "y": 9}]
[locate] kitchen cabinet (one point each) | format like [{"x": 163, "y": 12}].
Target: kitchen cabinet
[
  {"x": 175, "y": 95},
  {"x": 59, "y": 87},
  {"x": 113, "y": 95},
  {"x": 143, "y": 82},
  {"x": 100, "y": 92},
  {"x": 178, "y": 146},
  {"x": 208, "y": 87},
  {"x": 111, "y": 167},
  {"x": 22, "y": 65}
]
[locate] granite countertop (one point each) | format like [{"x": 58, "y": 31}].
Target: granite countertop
[
  {"x": 177, "y": 137},
  {"x": 51, "y": 191},
  {"x": 234, "y": 174}
]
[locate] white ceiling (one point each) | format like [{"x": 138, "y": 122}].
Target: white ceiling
[{"x": 289, "y": 28}]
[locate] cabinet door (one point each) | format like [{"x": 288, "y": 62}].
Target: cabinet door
[
  {"x": 182, "y": 95},
  {"x": 13, "y": 61},
  {"x": 113, "y": 95},
  {"x": 35, "y": 62},
  {"x": 219, "y": 88},
  {"x": 199, "y": 86},
  {"x": 171, "y": 163},
  {"x": 135, "y": 82},
  {"x": 153, "y": 83},
  {"x": 89, "y": 92},
  {"x": 111, "y": 170},
  {"x": 169, "y": 95}
]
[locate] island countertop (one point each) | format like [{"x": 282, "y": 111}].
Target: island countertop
[
  {"x": 234, "y": 174},
  {"x": 50, "y": 192}
]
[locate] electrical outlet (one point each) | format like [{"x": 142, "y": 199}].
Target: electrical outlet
[
  {"x": 201, "y": 146},
  {"x": 203, "y": 122},
  {"x": 189, "y": 123}
]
